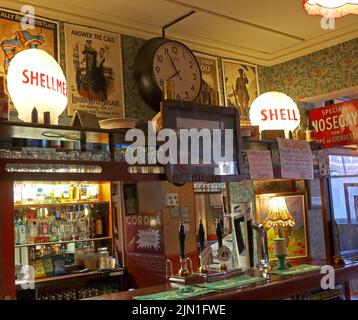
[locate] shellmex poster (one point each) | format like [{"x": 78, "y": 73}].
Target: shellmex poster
[{"x": 94, "y": 71}]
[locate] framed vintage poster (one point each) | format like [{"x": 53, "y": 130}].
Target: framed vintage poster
[
  {"x": 296, "y": 237},
  {"x": 94, "y": 72},
  {"x": 240, "y": 86},
  {"x": 16, "y": 36},
  {"x": 210, "y": 77},
  {"x": 130, "y": 199}
]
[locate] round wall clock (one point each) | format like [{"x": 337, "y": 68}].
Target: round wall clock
[{"x": 161, "y": 59}]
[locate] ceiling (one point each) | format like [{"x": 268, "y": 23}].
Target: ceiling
[{"x": 265, "y": 32}]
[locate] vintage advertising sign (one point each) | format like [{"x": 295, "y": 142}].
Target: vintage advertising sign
[
  {"x": 260, "y": 164},
  {"x": 19, "y": 33},
  {"x": 275, "y": 111},
  {"x": 41, "y": 34},
  {"x": 296, "y": 159},
  {"x": 210, "y": 75},
  {"x": 94, "y": 72},
  {"x": 336, "y": 125},
  {"x": 35, "y": 80},
  {"x": 144, "y": 233}
]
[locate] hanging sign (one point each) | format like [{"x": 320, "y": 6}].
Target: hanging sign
[
  {"x": 336, "y": 125},
  {"x": 296, "y": 159},
  {"x": 260, "y": 164},
  {"x": 274, "y": 111}
]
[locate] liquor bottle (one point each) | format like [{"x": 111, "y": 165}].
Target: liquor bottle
[
  {"x": 65, "y": 195},
  {"x": 83, "y": 192},
  {"x": 299, "y": 133},
  {"x": 98, "y": 224},
  {"x": 21, "y": 231},
  {"x": 309, "y": 131}
]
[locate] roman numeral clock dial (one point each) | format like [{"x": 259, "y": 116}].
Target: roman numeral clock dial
[{"x": 161, "y": 59}]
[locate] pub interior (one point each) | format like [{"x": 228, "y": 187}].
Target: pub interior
[{"x": 170, "y": 150}]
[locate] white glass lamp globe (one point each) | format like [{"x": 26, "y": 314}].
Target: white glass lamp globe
[
  {"x": 35, "y": 80},
  {"x": 275, "y": 111}
]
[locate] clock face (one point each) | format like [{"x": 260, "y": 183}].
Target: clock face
[{"x": 174, "y": 61}]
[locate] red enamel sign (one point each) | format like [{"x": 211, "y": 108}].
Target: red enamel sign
[{"x": 336, "y": 125}]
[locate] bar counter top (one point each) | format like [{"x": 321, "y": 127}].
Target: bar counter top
[{"x": 276, "y": 286}]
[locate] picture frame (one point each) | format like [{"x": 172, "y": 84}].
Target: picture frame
[
  {"x": 351, "y": 198},
  {"x": 238, "y": 94},
  {"x": 130, "y": 199},
  {"x": 209, "y": 66},
  {"x": 297, "y": 236},
  {"x": 94, "y": 71}
]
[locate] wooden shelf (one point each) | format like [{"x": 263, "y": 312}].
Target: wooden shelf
[
  {"x": 22, "y": 130},
  {"x": 40, "y": 205},
  {"x": 59, "y": 242},
  {"x": 72, "y": 276}
]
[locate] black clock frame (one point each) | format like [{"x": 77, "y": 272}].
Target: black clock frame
[{"x": 144, "y": 73}]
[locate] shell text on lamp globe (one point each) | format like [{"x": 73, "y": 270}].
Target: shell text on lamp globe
[
  {"x": 275, "y": 111},
  {"x": 35, "y": 80}
]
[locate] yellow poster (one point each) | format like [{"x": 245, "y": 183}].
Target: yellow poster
[
  {"x": 14, "y": 38},
  {"x": 94, "y": 71}
]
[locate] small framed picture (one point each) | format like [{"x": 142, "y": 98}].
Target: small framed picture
[
  {"x": 130, "y": 198},
  {"x": 210, "y": 76},
  {"x": 240, "y": 86}
]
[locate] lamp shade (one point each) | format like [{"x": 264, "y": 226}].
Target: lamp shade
[
  {"x": 274, "y": 111},
  {"x": 35, "y": 80},
  {"x": 331, "y": 8},
  {"x": 278, "y": 215}
]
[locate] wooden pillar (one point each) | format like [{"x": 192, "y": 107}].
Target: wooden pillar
[{"x": 7, "y": 251}]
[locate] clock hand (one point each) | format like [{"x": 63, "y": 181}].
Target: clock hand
[
  {"x": 175, "y": 74},
  {"x": 171, "y": 60}
]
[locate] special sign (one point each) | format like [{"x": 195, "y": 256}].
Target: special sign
[{"x": 336, "y": 125}]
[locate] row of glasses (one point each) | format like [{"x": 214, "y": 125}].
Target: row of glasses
[{"x": 51, "y": 154}]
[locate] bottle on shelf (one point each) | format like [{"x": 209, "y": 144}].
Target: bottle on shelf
[
  {"x": 84, "y": 192},
  {"x": 310, "y": 136},
  {"x": 98, "y": 224}
]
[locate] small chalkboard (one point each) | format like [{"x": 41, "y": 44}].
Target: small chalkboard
[{"x": 82, "y": 119}]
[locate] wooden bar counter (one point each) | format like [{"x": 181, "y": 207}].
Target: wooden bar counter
[{"x": 276, "y": 287}]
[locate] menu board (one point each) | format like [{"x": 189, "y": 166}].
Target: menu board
[
  {"x": 296, "y": 159},
  {"x": 260, "y": 164}
]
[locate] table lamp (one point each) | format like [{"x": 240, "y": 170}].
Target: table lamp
[{"x": 279, "y": 216}]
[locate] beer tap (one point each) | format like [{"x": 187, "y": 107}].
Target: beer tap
[
  {"x": 264, "y": 261},
  {"x": 201, "y": 236},
  {"x": 183, "y": 271},
  {"x": 219, "y": 234}
]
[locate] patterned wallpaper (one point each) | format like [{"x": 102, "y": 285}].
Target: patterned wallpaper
[{"x": 317, "y": 73}]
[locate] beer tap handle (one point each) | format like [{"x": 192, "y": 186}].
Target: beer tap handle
[
  {"x": 219, "y": 233},
  {"x": 182, "y": 240},
  {"x": 201, "y": 236}
]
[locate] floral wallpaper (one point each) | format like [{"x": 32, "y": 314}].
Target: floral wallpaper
[{"x": 317, "y": 73}]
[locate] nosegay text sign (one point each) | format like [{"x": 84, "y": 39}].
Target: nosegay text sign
[{"x": 336, "y": 125}]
